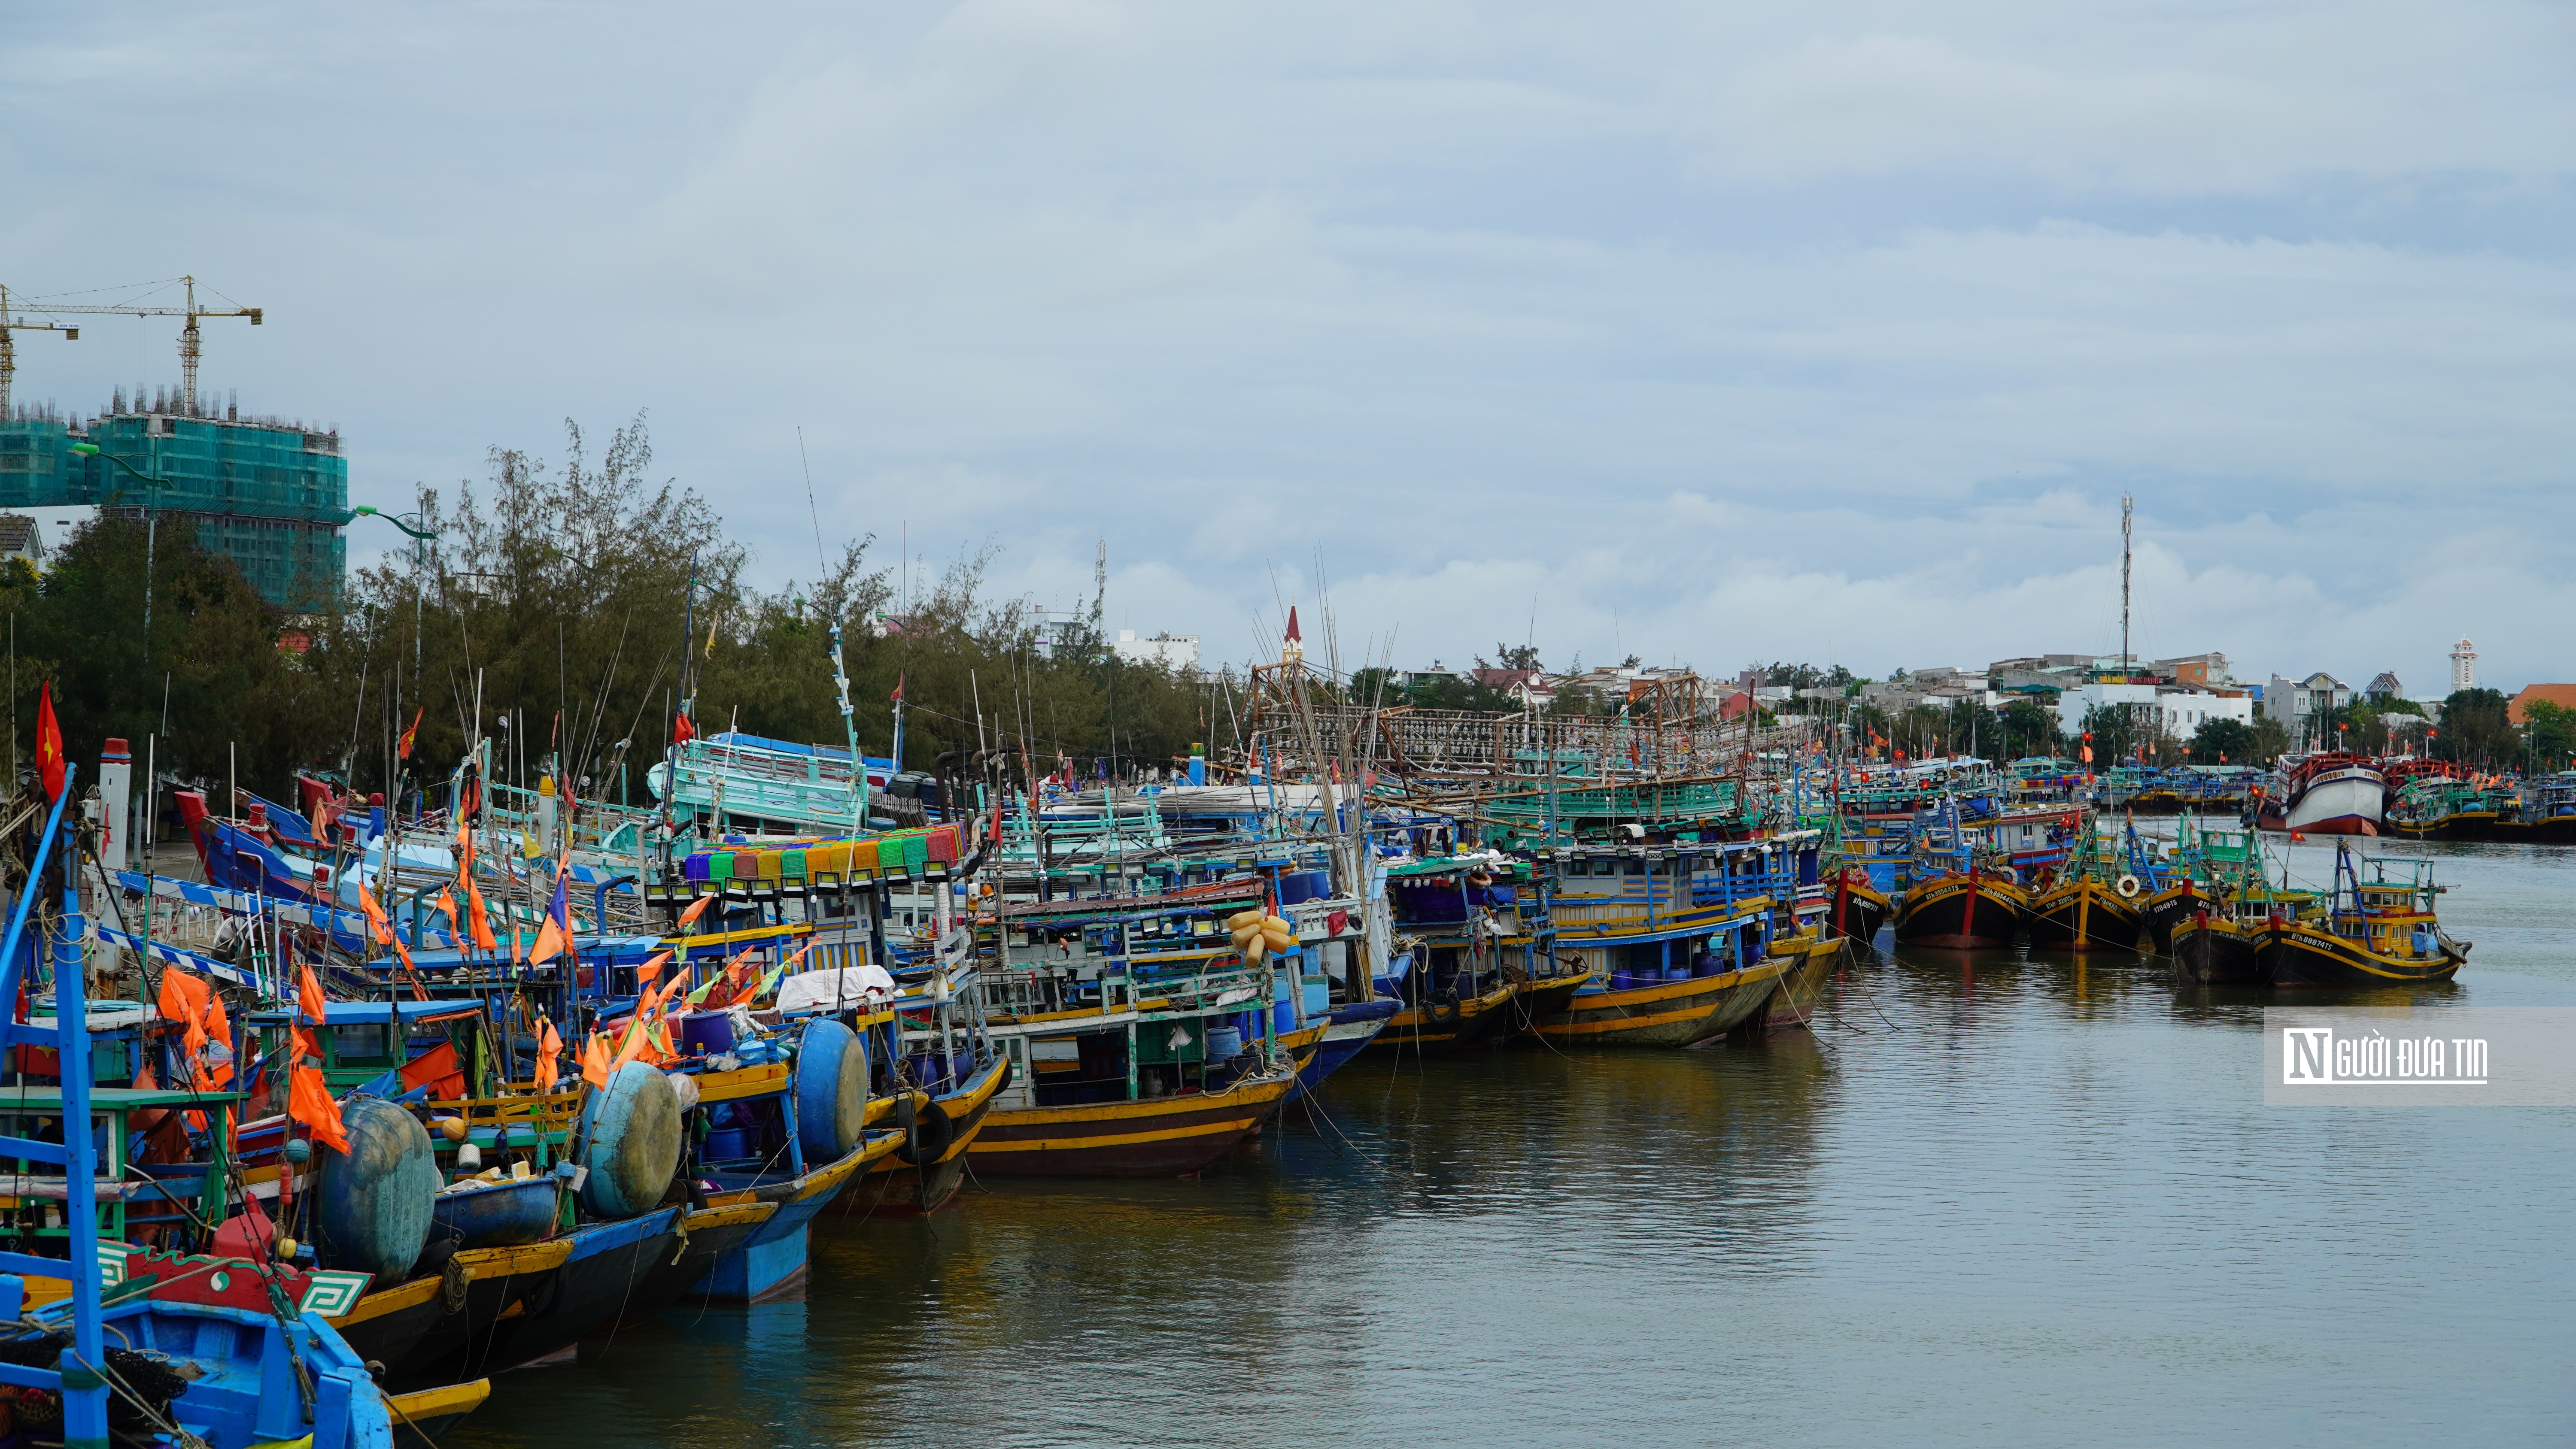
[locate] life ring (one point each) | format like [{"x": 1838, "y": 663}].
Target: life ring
[
  {"x": 929, "y": 1139},
  {"x": 2128, "y": 887}
]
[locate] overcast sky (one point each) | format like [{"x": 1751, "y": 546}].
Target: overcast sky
[{"x": 1709, "y": 333}]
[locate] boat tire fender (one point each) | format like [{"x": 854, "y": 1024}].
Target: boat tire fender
[
  {"x": 929, "y": 1139},
  {"x": 1444, "y": 1010}
]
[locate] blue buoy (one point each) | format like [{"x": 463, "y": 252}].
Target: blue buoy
[
  {"x": 831, "y": 1090},
  {"x": 372, "y": 1211},
  {"x": 630, "y": 1142}
]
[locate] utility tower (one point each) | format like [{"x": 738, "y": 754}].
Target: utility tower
[{"x": 2126, "y": 504}]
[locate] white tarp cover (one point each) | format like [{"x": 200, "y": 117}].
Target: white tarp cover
[{"x": 805, "y": 990}]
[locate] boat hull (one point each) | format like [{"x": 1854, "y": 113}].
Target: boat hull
[
  {"x": 1953, "y": 912},
  {"x": 1178, "y": 1136},
  {"x": 2342, "y": 802},
  {"x": 1670, "y": 1014},
  {"x": 2084, "y": 915},
  {"x": 1452, "y": 1026},
  {"x": 1811, "y": 961},
  {"x": 1859, "y": 911},
  {"x": 1347, "y": 1034},
  {"x": 770, "y": 1263},
  {"x": 2303, "y": 954},
  {"x": 420, "y": 1330},
  {"x": 2210, "y": 951},
  {"x": 897, "y": 1185},
  {"x": 2169, "y": 907}
]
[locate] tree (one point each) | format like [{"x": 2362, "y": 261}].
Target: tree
[
  {"x": 2476, "y": 728},
  {"x": 2223, "y": 741},
  {"x": 2029, "y": 727},
  {"x": 2271, "y": 740},
  {"x": 2548, "y": 735}
]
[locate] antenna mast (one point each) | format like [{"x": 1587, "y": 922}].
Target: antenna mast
[
  {"x": 1099, "y": 587},
  {"x": 2126, "y": 503}
]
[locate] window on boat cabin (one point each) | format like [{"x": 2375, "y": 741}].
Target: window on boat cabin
[{"x": 1636, "y": 865}]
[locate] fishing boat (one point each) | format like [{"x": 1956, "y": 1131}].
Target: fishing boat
[
  {"x": 1807, "y": 960},
  {"x": 1982, "y": 909},
  {"x": 2543, "y": 813},
  {"x": 2329, "y": 793},
  {"x": 1478, "y": 968},
  {"x": 1142, "y": 1041},
  {"x": 2084, "y": 906},
  {"x": 1672, "y": 938},
  {"x": 2380, "y": 931},
  {"x": 1860, "y": 910}
]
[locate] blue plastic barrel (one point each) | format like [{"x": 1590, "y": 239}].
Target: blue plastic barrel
[{"x": 1224, "y": 1043}]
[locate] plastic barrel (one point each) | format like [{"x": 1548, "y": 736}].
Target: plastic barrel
[
  {"x": 831, "y": 1090},
  {"x": 630, "y": 1143},
  {"x": 373, "y": 1207},
  {"x": 1224, "y": 1043}
]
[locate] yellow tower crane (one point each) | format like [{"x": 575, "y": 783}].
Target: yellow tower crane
[
  {"x": 9, "y": 349},
  {"x": 48, "y": 308}
]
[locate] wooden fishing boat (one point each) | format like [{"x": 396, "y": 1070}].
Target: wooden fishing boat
[
  {"x": 928, "y": 1163},
  {"x": 419, "y": 1329},
  {"x": 1348, "y": 1029},
  {"x": 771, "y": 1261},
  {"x": 1860, "y": 910},
  {"x": 1671, "y": 938},
  {"x": 1479, "y": 969},
  {"x": 2328, "y": 793},
  {"x": 613, "y": 1272},
  {"x": 1447, "y": 1022},
  {"x": 1172, "y": 1136},
  {"x": 1808, "y": 960},
  {"x": 1672, "y": 1014},
  {"x": 2213, "y": 948},
  {"x": 2376, "y": 932},
  {"x": 2087, "y": 914},
  {"x": 2167, "y": 908},
  {"x": 211, "y": 1345},
  {"x": 1978, "y": 910}
]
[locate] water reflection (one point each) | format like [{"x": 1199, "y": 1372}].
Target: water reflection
[{"x": 1993, "y": 1199}]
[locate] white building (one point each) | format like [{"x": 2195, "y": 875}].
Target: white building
[
  {"x": 2178, "y": 711},
  {"x": 2464, "y": 666},
  {"x": 1176, "y": 652}
]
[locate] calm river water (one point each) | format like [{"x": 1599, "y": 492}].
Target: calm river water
[{"x": 1993, "y": 1201}]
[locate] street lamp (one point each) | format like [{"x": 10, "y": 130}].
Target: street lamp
[
  {"x": 151, "y": 530},
  {"x": 421, "y": 538}
]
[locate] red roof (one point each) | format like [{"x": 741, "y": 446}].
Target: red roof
[{"x": 2561, "y": 695}]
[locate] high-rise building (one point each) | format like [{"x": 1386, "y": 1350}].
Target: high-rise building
[
  {"x": 270, "y": 495},
  {"x": 2464, "y": 666}
]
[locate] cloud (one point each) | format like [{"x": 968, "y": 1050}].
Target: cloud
[{"x": 1830, "y": 332}]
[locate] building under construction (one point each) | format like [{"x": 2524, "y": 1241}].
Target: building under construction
[{"x": 269, "y": 494}]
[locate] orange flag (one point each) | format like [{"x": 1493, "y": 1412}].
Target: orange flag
[
  {"x": 481, "y": 919},
  {"x": 550, "y": 941},
  {"x": 549, "y": 1047},
  {"x": 309, "y": 1102},
  {"x": 308, "y": 995},
  {"x": 594, "y": 1062},
  {"x": 446, "y": 905},
  {"x": 696, "y": 909}
]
